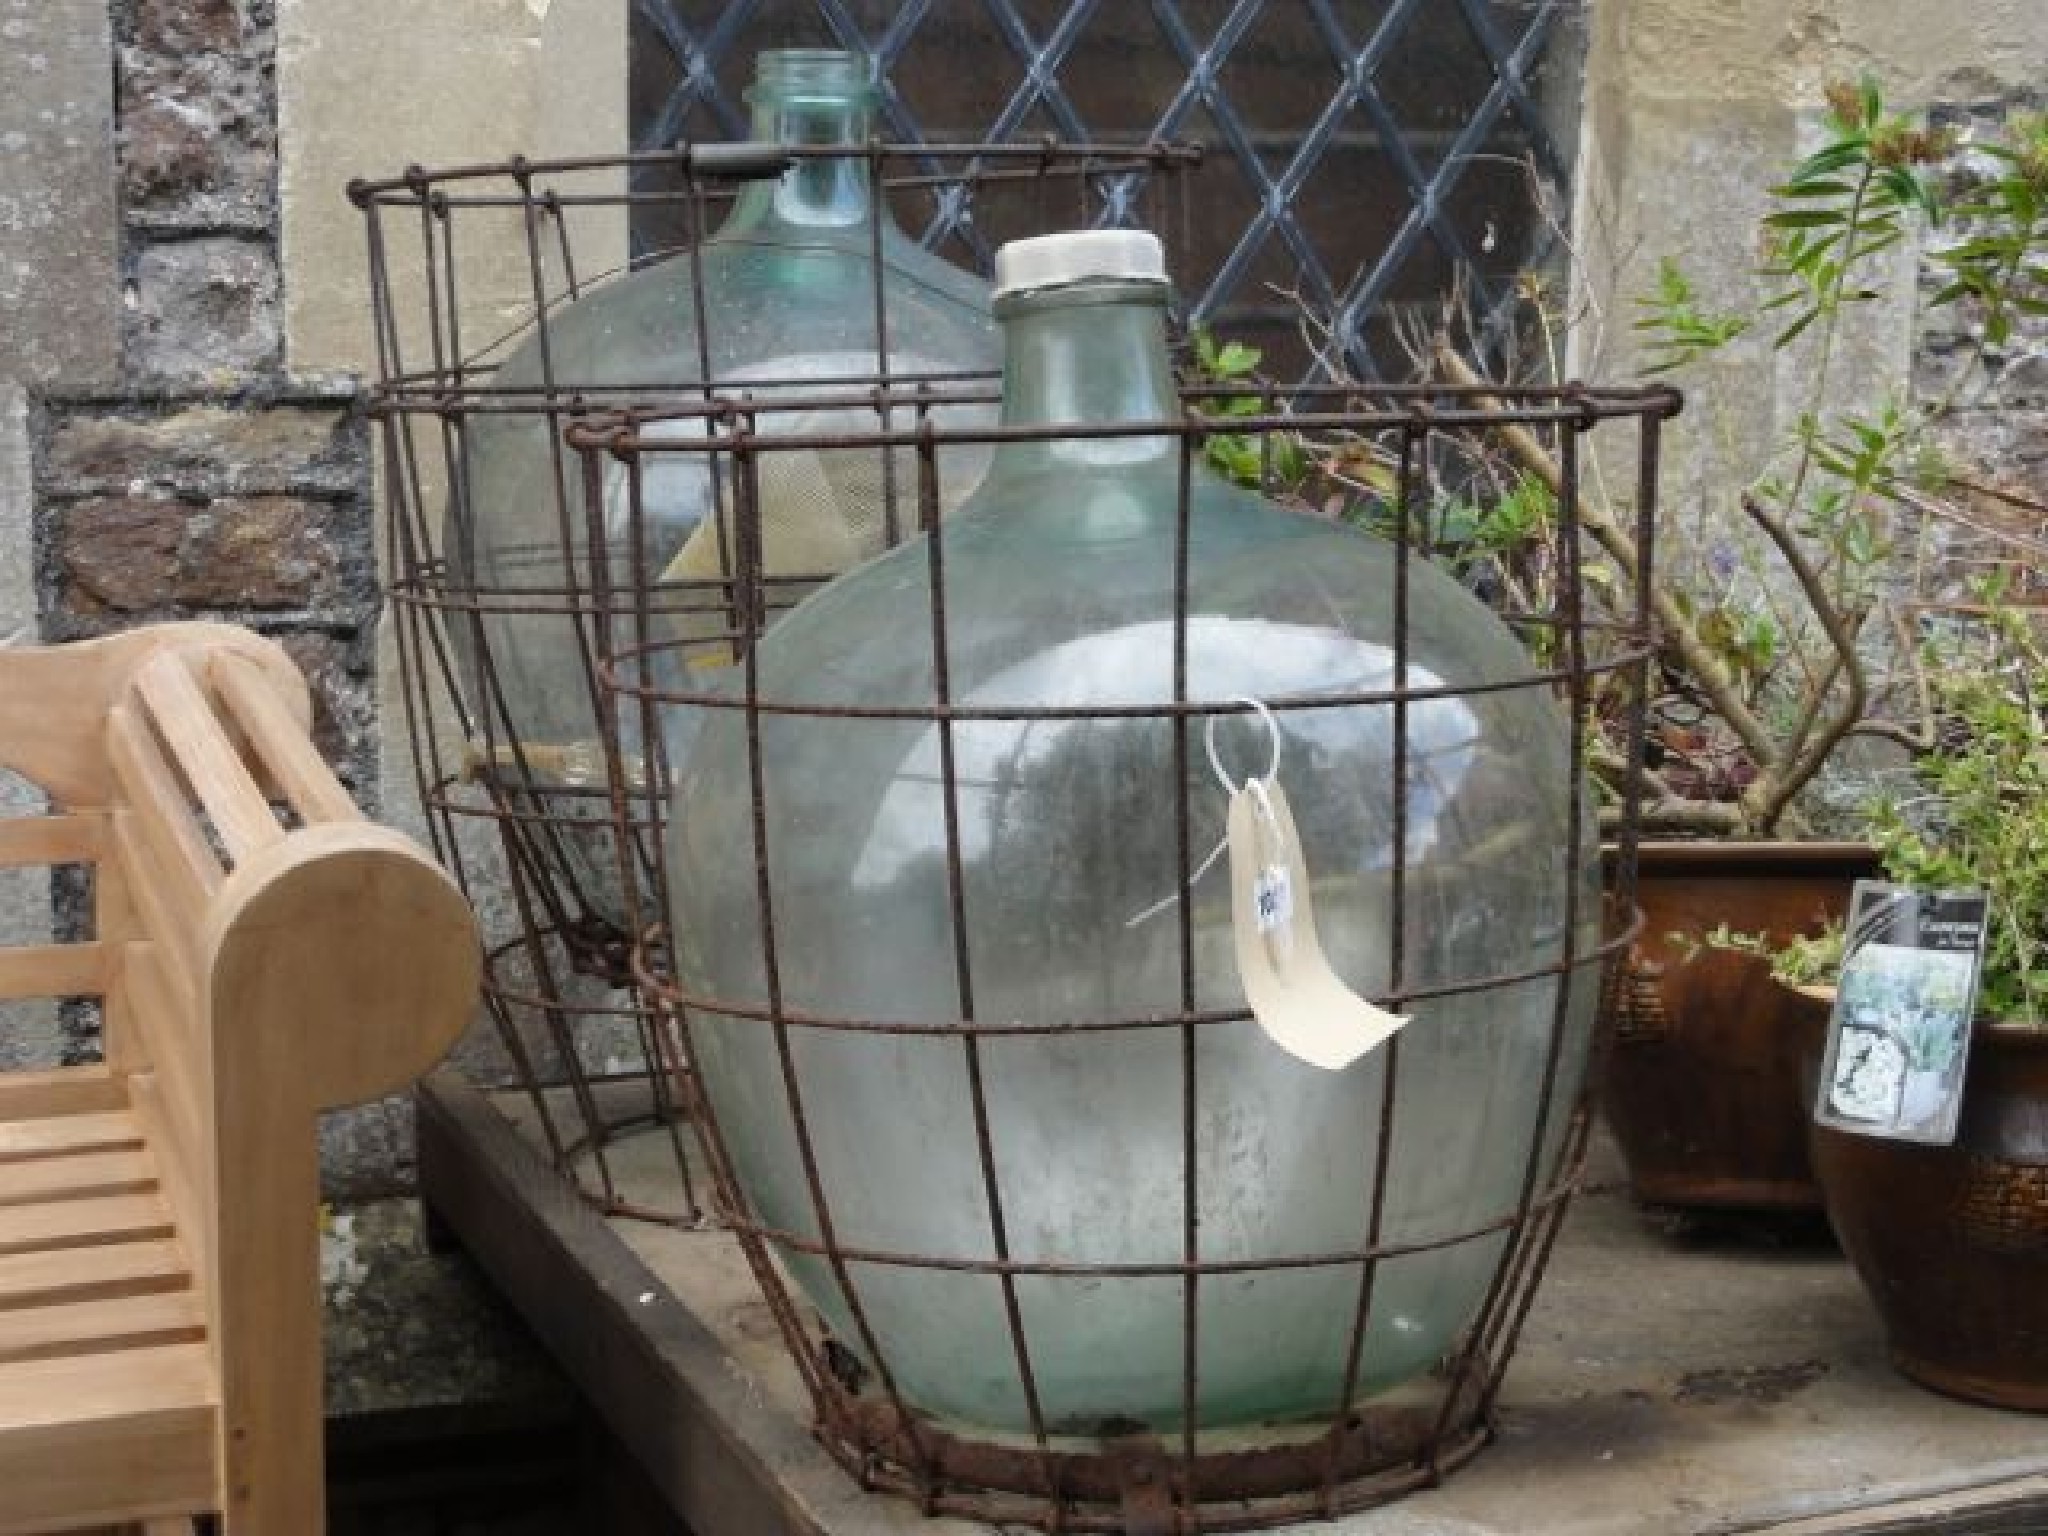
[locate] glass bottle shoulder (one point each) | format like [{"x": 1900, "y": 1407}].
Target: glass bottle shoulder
[
  {"x": 774, "y": 291},
  {"x": 1066, "y": 583}
]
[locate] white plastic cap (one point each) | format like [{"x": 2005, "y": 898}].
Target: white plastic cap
[{"x": 1079, "y": 256}]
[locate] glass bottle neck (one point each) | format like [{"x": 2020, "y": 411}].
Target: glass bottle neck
[
  {"x": 1090, "y": 354},
  {"x": 826, "y": 192}
]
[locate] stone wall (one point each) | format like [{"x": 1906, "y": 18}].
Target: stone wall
[
  {"x": 60, "y": 306},
  {"x": 1996, "y": 436},
  {"x": 177, "y": 471},
  {"x": 206, "y": 482},
  {"x": 182, "y": 433},
  {"x": 166, "y": 466},
  {"x": 1692, "y": 111}
]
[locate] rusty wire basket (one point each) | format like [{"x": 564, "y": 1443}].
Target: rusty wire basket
[
  {"x": 465, "y": 262},
  {"x": 1053, "y": 1469}
]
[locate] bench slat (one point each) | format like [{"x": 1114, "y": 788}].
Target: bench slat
[
  {"x": 173, "y": 936},
  {"x": 104, "y": 1131},
  {"x": 106, "y": 1439},
  {"x": 82, "y": 1173},
  {"x": 158, "y": 802},
  {"x": 80, "y": 1274},
  {"x": 217, "y": 776},
  {"x": 53, "y": 970},
  {"x": 59, "y": 1091},
  {"x": 83, "y": 1223},
  {"x": 100, "y": 1327},
  {"x": 280, "y": 741},
  {"x": 29, "y": 841}
]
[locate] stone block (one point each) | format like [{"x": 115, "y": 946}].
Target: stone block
[
  {"x": 17, "y": 500},
  {"x": 189, "y": 27},
  {"x": 59, "y": 231},
  {"x": 461, "y": 81},
  {"x": 198, "y": 138},
  {"x": 210, "y": 449},
  {"x": 168, "y": 150},
  {"x": 204, "y": 312},
  {"x": 338, "y": 668},
  {"x": 145, "y": 555}
]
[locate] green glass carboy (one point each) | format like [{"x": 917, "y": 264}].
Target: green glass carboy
[
  {"x": 1059, "y": 577},
  {"x": 786, "y": 288}
]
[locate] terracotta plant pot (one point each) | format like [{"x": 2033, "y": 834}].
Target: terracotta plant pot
[
  {"x": 1703, "y": 1088},
  {"x": 1952, "y": 1242}
]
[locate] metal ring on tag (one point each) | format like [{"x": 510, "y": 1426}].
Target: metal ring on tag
[{"x": 1273, "y": 735}]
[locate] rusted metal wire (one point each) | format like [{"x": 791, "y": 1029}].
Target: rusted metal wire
[
  {"x": 1367, "y": 1452},
  {"x": 621, "y": 610},
  {"x": 465, "y": 261}
]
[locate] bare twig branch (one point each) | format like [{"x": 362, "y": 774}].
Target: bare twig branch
[
  {"x": 2000, "y": 493},
  {"x": 1809, "y": 746},
  {"x": 1692, "y": 654}
]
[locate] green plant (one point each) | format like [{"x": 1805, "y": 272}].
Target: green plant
[
  {"x": 1811, "y": 959},
  {"x": 1225, "y": 376},
  {"x": 1999, "y": 263},
  {"x": 1976, "y": 812},
  {"x": 1766, "y": 647}
]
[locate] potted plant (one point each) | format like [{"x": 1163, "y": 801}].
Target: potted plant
[
  {"x": 1774, "y": 655},
  {"x": 1776, "y": 650},
  {"x": 1952, "y": 1240}
]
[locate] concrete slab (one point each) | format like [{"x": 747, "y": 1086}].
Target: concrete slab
[{"x": 1667, "y": 1385}]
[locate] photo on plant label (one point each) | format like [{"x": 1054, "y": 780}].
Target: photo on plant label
[
  {"x": 1903, "y": 1003},
  {"x": 1904, "y": 1012}
]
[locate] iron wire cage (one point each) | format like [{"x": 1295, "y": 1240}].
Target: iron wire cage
[
  {"x": 466, "y": 262},
  {"x": 1593, "y": 658}
]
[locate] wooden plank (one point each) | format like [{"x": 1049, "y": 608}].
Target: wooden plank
[
  {"x": 344, "y": 965},
  {"x": 103, "y": 1439},
  {"x": 53, "y": 970},
  {"x": 59, "y": 1091},
  {"x": 27, "y": 842},
  {"x": 100, "y": 1327},
  {"x": 657, "y": 1376},
  {"x": 280, "y": 741},
  {"x": 164, "y": 1016},
  {"x": 54, "y": 699},
  {"x": 115, "y": 925},
  {"x": 217, "y": 776},
  {"x": 184, "y": 1165},
  {"x": 83, "y": 1223},
  {"x": 158, "y": 808},
  {"x": 163, "y": 1009},
  {"x": 172, "y": 922},
  {"x": 79, "y": 1174},
  {"x": 101, "y": 1131},
  {"x": 81, "y": 1274}
]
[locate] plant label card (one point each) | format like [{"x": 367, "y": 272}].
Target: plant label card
[{"x": 1900, "y": 1034}]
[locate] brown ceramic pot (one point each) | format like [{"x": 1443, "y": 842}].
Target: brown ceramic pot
[
  {"x": 1952, "y": 1242},
  {"x": 1703, "y": 1087}
]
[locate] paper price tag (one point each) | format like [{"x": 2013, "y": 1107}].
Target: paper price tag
[{"x": 1297, "y": 999}]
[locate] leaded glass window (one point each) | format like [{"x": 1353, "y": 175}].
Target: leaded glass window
[{"x": 1366, "y": 157}]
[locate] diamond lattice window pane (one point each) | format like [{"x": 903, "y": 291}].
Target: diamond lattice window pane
[{"x": 1361, "y": 155}]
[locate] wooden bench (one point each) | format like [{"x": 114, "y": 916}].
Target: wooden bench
[{"x": 259, "y": 953}]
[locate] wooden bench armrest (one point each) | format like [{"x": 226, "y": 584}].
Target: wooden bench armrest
[
  {"x": 262, "y": 954},
  {"x": 54, "y": 700},
  {"x": 343, "y": 965}
]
